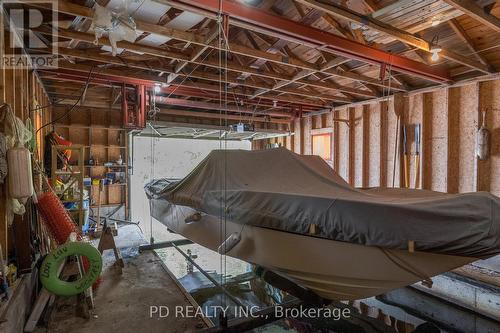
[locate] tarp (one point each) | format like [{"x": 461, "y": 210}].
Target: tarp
[{"x": 282, "y": 190}]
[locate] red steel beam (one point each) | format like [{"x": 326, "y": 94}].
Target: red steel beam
[{"x": 308, "y": 35}]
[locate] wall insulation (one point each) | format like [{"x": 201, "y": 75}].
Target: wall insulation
[{"x": 363, "y": 150}]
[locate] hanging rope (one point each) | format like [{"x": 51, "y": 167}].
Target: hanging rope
[
  {"x": 223, "y": 103},
  {"x": 385, "y": 96},
  {"x": 152, "y": 115}
]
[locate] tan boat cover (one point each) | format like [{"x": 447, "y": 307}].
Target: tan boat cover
[{"x": 282, "y": 190}]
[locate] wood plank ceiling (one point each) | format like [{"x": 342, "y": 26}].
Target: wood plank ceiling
[{"x": 270, "y": 75}]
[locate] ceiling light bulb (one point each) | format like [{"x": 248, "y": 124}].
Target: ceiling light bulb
[
  {"x": 157, "y": 88},
  {"x": 435, "y": 52},
  {"x": 435, "y": 22}
]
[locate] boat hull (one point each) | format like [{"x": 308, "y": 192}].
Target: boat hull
[{"x": 331, "y": 269}]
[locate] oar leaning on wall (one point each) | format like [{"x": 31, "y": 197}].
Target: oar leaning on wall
[
  {"x": 417, "y": 155},
  {"x": 406, "y": 160}
]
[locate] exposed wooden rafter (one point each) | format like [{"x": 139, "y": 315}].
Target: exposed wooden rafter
[
  {"x": 217, "y": 106},
  {"x": 70, "y": 81},
  {"x": 327, "y": 55},
  {"x": 153, "y": 79},
  {"x": 306, "y": 18},
  {"x": 199, "y": 50},
  {"x": 248, "y": 17},
  {"x": 155, "y": 51},
  {"x": 371, "y": 5},
  {"x": 462, "y": 34},
  {"x": 471, "y": 9},
  {"x": 212, "y": 115},
  {"x": 197, "y": 39},
  {"x": 185, "y": 113},
  {"x": 396, "y": 33}
]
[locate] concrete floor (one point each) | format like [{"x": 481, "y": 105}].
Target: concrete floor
[
  {"x": 492, "y": 264},
  {"x": 122, "y": 302}
]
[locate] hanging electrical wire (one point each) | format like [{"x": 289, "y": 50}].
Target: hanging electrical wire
[
  {"x": 187, "y": 76},
  {"x": 89, "y": 76}
]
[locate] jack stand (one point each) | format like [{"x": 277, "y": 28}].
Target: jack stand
[
  {"x": 189, "y": 265},
  {"x": 107, "y": 242}
]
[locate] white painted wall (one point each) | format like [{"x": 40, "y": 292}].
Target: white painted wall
[{"x": 173, "y": 158}]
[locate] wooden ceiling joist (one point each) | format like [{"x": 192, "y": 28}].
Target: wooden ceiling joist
[
  {"x": 396, "y": 33},
  {"x": 279, "y": 44},
  {"x": 199, "y": 50},
  {"x": 471, "y": 9},
  {"x": 192, "y": 90},
  {"x": 213, "y": 115},
  {"x": 101, "y": 75},
  {"x": 242, "y": 92},
  {"x": 294, "y": 60},
  {"x": 462, "y": 34},
  {"x": 216, "y": 106},
  {"x": 248, "y": 17},
  {"x": 102, "y": 106},
  {"x": 188, "y": 37},
  {"x": 198, "y": 74},
  {"x": 233, "y": 79},
  {"x": 155, "y": 51}
]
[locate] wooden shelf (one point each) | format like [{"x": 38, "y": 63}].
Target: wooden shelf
[
  {"x": 105, "y": 146},
  {"x": 104, "y": 139},
  {"x": 102, "y": 166},
  {"x": 75, "y": 181}
]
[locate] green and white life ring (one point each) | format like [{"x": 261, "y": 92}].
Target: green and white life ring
[{"x": 50, "y": 266}]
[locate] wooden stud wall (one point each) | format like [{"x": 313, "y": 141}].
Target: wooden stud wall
[
  {"x": 297, "y": 127},
  {"x": 22, "y": 90},
  {"x": 358, "y": 133},
  {"x": 488, "y": 176},
  {"x": 307, "y": 138},
  {"x": 372, "y": 162},
  {"x": 363, "y": 154}
]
